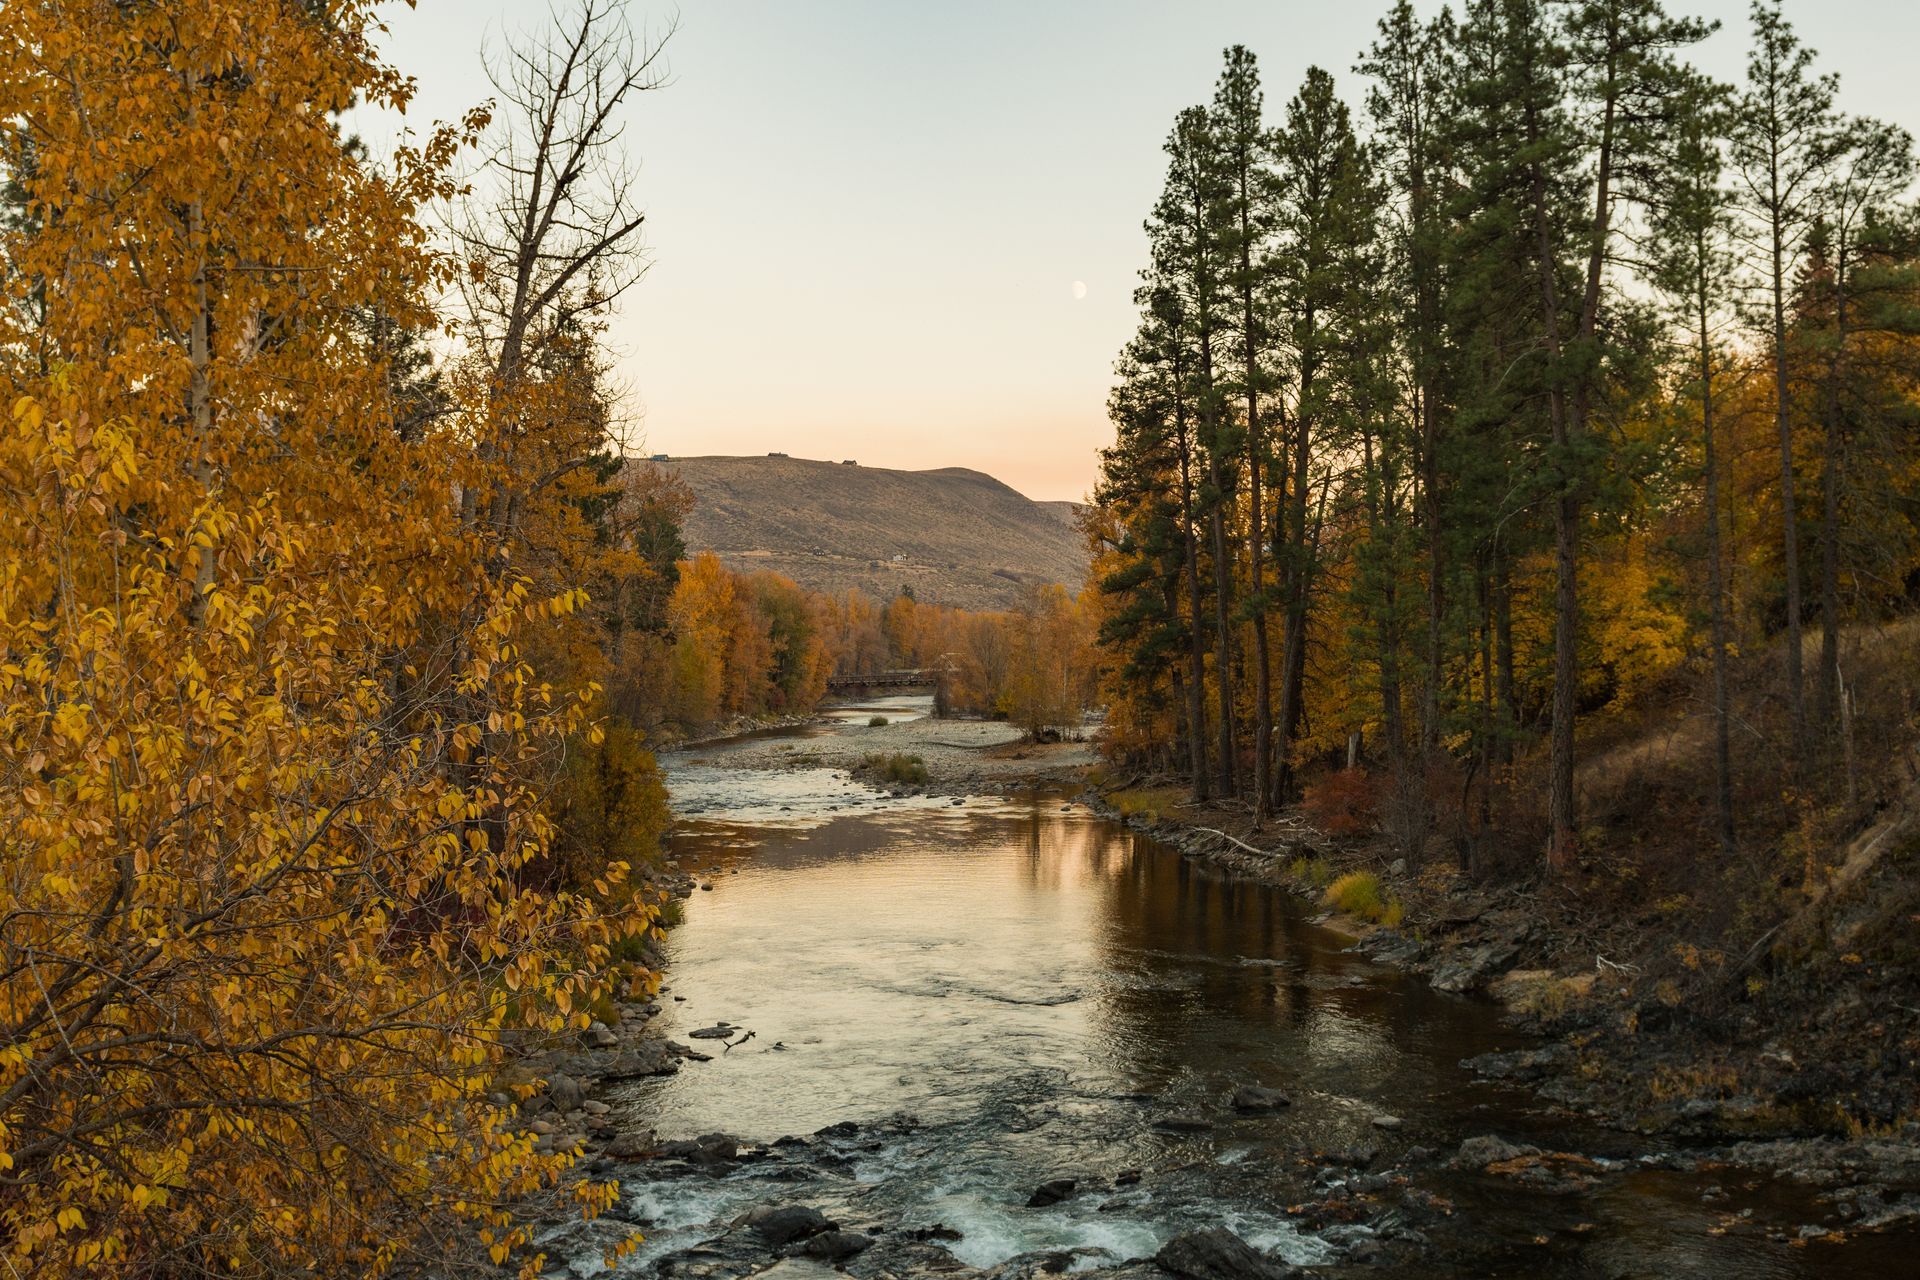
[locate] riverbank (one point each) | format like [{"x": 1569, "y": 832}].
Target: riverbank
[
  {"x": 1633, "y": 1034},
  {"x": 960, "y": 757}
]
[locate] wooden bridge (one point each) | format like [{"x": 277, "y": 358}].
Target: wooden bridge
[{"x": 907, "y": 680}]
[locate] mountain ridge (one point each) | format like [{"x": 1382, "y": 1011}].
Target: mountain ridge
[{"x": 953, "y": 535}]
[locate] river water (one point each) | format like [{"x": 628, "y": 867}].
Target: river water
[{"x": 1006, "y": 991}]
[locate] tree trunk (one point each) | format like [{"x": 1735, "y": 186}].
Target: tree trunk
[
  {"x": 1256, "y": 548},
  {"x": 1298, "y": 568},
  {"x": 1789, "y": 518},
  {"x": 1196, "y": 631},
  {"x": 1562, "y": 838},
  {"x": 1831, "y": 460}
]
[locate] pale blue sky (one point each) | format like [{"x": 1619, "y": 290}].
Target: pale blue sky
[{"x": 866, "y": 217}]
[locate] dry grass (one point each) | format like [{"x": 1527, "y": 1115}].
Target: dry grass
[{"x": 1359, "y": 893}]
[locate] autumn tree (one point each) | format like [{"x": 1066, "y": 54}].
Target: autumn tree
[{"x": 257, "y": 953}]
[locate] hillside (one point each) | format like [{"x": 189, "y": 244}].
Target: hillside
[{"x": 956, "y": 537}]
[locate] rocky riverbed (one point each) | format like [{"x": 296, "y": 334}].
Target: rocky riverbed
[
  {"x": 961, "y": 757},
  {"x": 1501, "y": 945}
]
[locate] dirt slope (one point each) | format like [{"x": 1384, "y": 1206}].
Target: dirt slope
[{"x": 957, "y": 537}]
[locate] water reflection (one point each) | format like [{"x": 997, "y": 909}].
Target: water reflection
[{"x": 1045, "y": 990}]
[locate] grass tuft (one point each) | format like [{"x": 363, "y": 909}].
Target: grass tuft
[{"x": 1359, "y": 893}]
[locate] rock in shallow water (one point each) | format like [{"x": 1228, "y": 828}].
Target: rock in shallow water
[
  {"x": 1218, "y": 1254},
  {"x": 1254, "y": 1099},
  {"x": 1053, "y": 1191},
  {"x": 834, "y": 1246},
  {"x": 783, "y": 1224}
]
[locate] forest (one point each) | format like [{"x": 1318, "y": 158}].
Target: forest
[{"x": 1527, "y": 452}]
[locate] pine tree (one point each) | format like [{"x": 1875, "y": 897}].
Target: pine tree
[
  {"x": 1871, "y": 164},
  {"x": 1186, "y": 236},
  {"x": 1781, "y": 146},
  {"x": 1692, "y": 263},
  {"x": 1408, "y": 63},
  {"x": 1246, "y": 233},
  {"x": 1322, "y": 193}
]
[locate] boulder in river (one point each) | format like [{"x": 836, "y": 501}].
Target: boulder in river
[
  {"x": 708, "y": 1151},
  {"x": 782, "y": 1225},
  {"x": 1182, "y": 1123},
  {"x": 834, "y": 1245},
  {"x": 1218, "y": 1254},
  {"x": 718, "y": 1031},
  {"x": 1052, "y": 1191},
  {"x": 1478, "y": 1153},
  {"x": 1255, "y": 1099}
]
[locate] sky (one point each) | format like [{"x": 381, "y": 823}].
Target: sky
[{"x": 907, "y": 232}]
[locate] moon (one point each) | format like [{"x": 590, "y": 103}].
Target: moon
[{"x": 1079, "y": 290}]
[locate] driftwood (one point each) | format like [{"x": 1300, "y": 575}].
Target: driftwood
[{"x": 1240, "y": 843}]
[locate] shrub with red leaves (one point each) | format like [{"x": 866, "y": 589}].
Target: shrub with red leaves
[{"x": 1342, "y": 804}]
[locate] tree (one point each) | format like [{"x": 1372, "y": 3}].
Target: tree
[
  {"x": 1780, "y": 152},
  {"x": 551, "y": 240},
  {"x": 1321, "y": 218},
  {"x": 1871, "y": 164},
  {"x": 1410, "y": 65},
  {"x": 256, "y": 960},
  {"x": 1692, "y": 263},
  {"x": 1245, "y": 233},
  {"x": 1185, "y": 232}
]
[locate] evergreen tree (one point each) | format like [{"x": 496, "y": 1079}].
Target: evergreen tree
[
  {"x": 1409, "y": 65},
  {"x": 1692, "y": 264},
  {"x": 1246, "y": 234},
  {"x": 1320, "y": 218},
  {"x": 1186, "y": 235},
  {"x": 1871, "y": 164},
  {"x": 1781, "y": 146}
]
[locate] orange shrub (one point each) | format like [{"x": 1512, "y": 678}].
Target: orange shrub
[{"x": 1342, "y": 804}]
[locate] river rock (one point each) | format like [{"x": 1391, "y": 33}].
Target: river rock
[
  {"x": 564, "y": 1092},
  {"x": 834, "y": 1245},
  {"x": 1254, "y": 1099},
  {"x": 599, "y": 1035},
  {"x": 1468, "y": 968},
  {"x": 719, "y": 1031},
  {"x": 1478, "y": 1153},
  {"x": 1052, "y": 1191},
  {"x": 645, "y": 1058},
  {"x": 1045, "y": 1264},
  {"x": 709, "y": 1151},
  {"x": 1522, "y": 1065},
  {"x": 1218, "y": 1254},
  {"x": 1180, "y": 1123},
  {"x": 1386, "y": 1121},
  {"x": 782, "y": 1225},
  {"x": 629, "y": 1146}
]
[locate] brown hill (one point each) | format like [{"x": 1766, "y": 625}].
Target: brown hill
[{"x": 957, "y": 537}]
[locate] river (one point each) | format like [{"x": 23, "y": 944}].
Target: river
[{"x": 1004, "y": 991}]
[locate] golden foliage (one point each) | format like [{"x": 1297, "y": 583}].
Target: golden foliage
[{"x": 268, "y": 736}]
